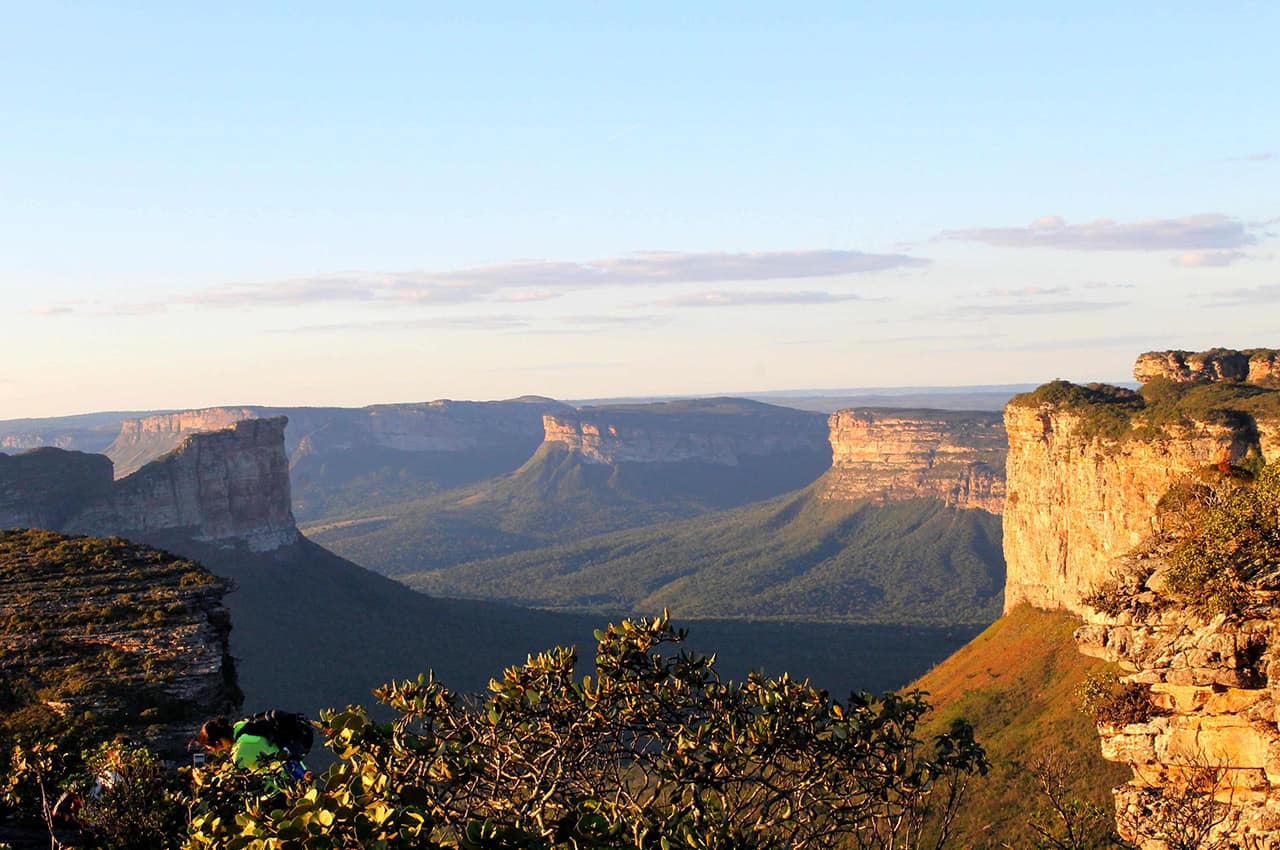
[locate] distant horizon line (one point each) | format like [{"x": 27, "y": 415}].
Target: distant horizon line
[{"x": 800, "y": 393}]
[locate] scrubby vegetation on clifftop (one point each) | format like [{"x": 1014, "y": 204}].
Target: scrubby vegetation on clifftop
[{"x": 104, "y": 634}]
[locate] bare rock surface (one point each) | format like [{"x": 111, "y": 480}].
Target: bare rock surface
[
  {"x": 890, "y": 455},
  {"x": 723, "y": 432},
  {"x": 1253, "y": 365},
  {"x": 229, "y": 487}
]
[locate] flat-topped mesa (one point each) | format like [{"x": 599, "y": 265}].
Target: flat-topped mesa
[
  {"x": 1088, "y": 465},
  {"x": 221, "y": 487},
  {"x": 143, "y": 440},
  {"x": 896, "y": 455},
  {"x": 1259, "y": 366},
  {"x": 723, "y": 432}
]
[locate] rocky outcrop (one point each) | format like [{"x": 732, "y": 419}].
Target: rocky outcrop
[
  {"x": 226, "y": 487},
  {"x": 443, "y": 426},
  {"x": 1254, "y": 365},
  {"x": 1205, "y": 752},
  {"x": 722, "y": 432},
  {"x": 1075, "y": 503},
  {"x": 143, "y": 440},
  {"x": 223, "y": 486},
  {"x": 890, "y": 456},
  {"x": 1087, "y": 467},
  {"x": 114, "y": 635}
]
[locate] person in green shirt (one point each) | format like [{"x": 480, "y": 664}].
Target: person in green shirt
[{"x": 248, "y": 751}]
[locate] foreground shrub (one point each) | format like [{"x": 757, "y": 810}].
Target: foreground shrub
[
  {"x": 1234, "y": 549},
  {"x": 654, "y": 752}
]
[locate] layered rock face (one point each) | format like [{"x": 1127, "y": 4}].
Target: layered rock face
[
  {"x": 225, "y": 487},
  {"x": 1088, "y": 465},
  {"x": 143, "y": 440},
  {"x": 700, "y": 432},
  {"x": 1209, "y": 753},
  {"x": 1076, "y": 503},
  {"x": 958, "y": 457},
  {"x": 434, "y": 426},
  {"x": 1255, "y": 366}
]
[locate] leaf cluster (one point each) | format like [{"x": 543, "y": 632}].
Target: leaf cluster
[{"x": 654, "y": 751}]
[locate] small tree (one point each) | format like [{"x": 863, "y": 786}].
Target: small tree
[
  {"x": 654, "y": 752},
  {"x": 33, "y": 782}
]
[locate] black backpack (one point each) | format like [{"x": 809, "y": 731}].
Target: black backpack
[{"x": 292, "y": 733}]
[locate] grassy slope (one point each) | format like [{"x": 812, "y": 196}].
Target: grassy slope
[
  {"x": 1016, "y": 683},
  {"x": 553, "y": 498},
  {"x": 796, "y": 557}
]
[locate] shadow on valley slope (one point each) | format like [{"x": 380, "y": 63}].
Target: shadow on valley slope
[{"x": 312, "y": 630}]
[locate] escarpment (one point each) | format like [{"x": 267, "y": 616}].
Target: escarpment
[
  {"x": 891, "y": 456},
  {"x": 143, "y": 440},
  {"x": 1088, "y": 466},
  {"x": 441, "y": 426},
  {"x": 109, "y": 636},
  {"x": 227, "y": 487},
  {"x": 1107, "y": 488},
  {"x": 1193, "y": 621},
  {"x": 723, "y": 432}
]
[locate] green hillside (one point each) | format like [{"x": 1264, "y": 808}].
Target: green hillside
[
  {"x": 553, "y": 498},
  {"x": 1016, "y": 683},
  {"x": 795, "y": 557}
]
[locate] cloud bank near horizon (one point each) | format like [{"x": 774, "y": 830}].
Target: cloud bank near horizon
[
  {"x": 1204, "y": 232},
  {"x": 521, "y": 281}
]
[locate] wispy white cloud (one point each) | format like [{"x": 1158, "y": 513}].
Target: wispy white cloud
[
  {"x": 481, "y": 323},
  {"x": 1029, "y": 291},
  {"x": 1265, "y": 294},
  {"x": 1208, "y": 259},
  {"x": 531, "y": 280},
  {"x": 1024, "y": 308},
  {"x": 1208, "y": 231},
  {"x": 749, "y": 299},
  {"x": 611, "y": 319}
]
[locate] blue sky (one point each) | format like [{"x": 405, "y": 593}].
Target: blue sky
[{"x": 317, "y": 203}]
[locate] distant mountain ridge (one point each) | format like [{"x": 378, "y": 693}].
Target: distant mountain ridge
[{"x": 598, "y": 470}]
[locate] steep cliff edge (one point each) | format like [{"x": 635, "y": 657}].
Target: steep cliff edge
[
  {"x": 890, "y": 455},
  {"x": 719, "y": 431},
  {"x": 1087, "y": 467},
  {"x": 1192, "y": 618},
  {"x": 220, "y": 486},
  {"x": 226, "y": 487},
  {"x": 143, "y": 440}
]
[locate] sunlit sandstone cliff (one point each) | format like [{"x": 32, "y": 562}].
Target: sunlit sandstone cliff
[
  {"x": 223, "y": 487},
  {"x": 890, "y": 455},
  {"x": 1088, "y": 465},
  {"x": 1087, "y": 470},
  {"x": 715, "y": 431}
]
